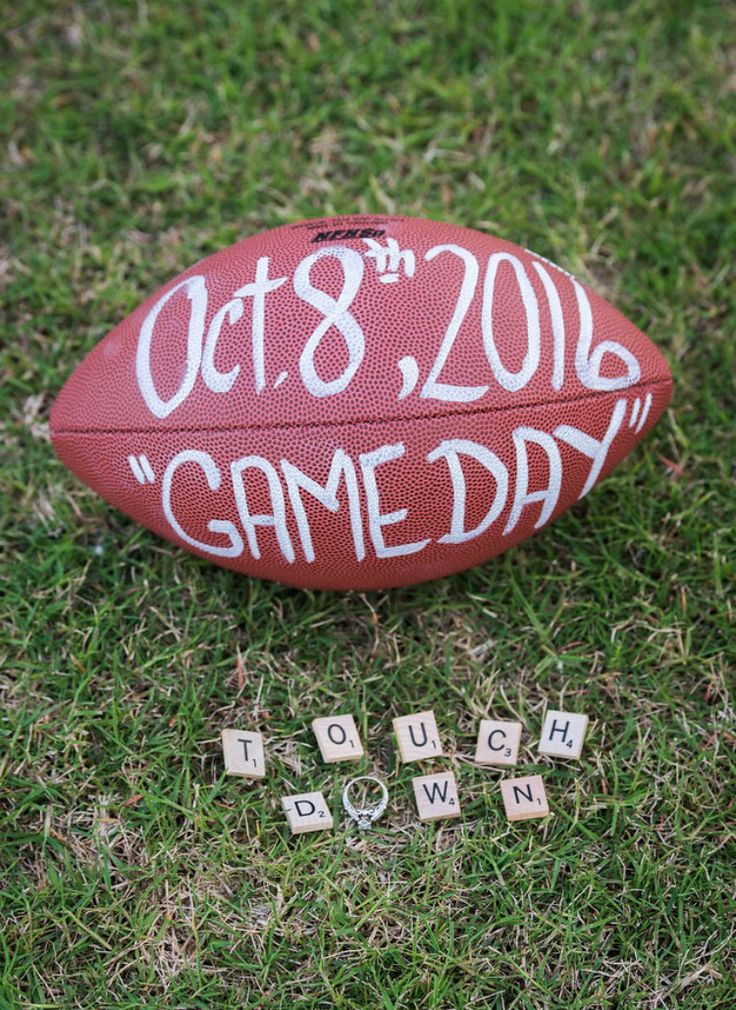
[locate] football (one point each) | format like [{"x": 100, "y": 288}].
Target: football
[{"x": 359, "y": 402}]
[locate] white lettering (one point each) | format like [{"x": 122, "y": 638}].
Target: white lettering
[
  {"x": 277, "y": 518},
  {"x": 512, "y": 381},
  {"x": 450, "y": 450},
  {"x": 433, "y": 389},
  {"x": 327, "y": 496},
  {"x": 645, "y": 412},
  {"x": 558, "y": 325},
  {"x": 258, "y": 290},
  {"x": 196, "y": 292},
  {"x": 591, "y": 447},
  {"x": 369, "y": 461},
  {"x": 388, "y": 259},
  {"x": 499, "y": 334},
  {"x": 211, "y": 472},
  {"x": 409, "y": 375},
  {"x": 587, "y": 365},
  {"x": 220, "y": 382},
  {"x": 335, "y": 314},
  {"x": 548, "y": 495},
  {"x": 456, "y": 452}
]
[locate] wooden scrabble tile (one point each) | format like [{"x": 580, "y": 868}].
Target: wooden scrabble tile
[
  {"x": 243, "y": 752},
  {"x": 563, "y": 734},
  {"x": 306, "y": 812},
  {"x": 498, "y": 743},
  {"x": 337, "y": 736},
  {"x": 436, "y": 796},
  {"x": 524, "y": 798},
  {"x": 417, "y": 736}
]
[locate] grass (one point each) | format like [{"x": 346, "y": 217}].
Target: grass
[{"x": 140, "y": 137}]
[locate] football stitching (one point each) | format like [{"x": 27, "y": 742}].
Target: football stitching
[{"x": 667, "y": 380}]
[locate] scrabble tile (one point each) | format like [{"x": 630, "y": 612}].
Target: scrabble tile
[
  {"x": 306, "y": 812},
  {"x": 337, "y": 736},
  {"x": 498, "y": 743},
  {"x": 524, "y": 798},
  {"x": 436, "y": 796},
  {"x": 243, "y": 752},
  {"x": 563, "y": 734},
  {"x": 417, "y": 736}
]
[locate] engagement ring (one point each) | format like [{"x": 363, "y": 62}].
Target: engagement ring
[{"x": 365, "y": 814}]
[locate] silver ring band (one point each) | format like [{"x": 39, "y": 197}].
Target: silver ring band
[{"x": 365, "y": 816}]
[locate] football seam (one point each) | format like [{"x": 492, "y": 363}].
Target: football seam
[{"x": 667, "y": 380}]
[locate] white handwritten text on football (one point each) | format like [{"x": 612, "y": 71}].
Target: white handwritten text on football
[{"x": 337, "y": 315}]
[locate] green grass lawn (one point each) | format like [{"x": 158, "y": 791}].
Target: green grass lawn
[{"x": 139, "y": 137}]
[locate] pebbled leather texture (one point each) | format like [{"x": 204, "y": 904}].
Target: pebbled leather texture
[{"x": 359, "y": 402}]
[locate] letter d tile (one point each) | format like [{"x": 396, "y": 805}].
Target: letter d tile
[{"x": 306, "y": 812}]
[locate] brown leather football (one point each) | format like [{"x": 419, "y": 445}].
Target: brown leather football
[{"x": 360, "y": 402}]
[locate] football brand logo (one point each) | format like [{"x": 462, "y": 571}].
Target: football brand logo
[{"x": 342, "y": 234}]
